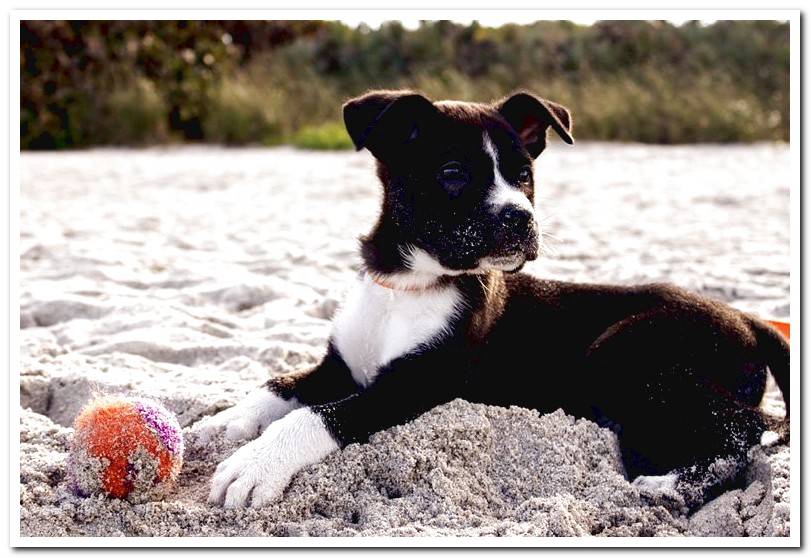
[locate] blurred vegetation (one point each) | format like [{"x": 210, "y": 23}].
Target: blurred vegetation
[
  {"x": 87, "y": 83},
  {"x": 330, "y": 135}
]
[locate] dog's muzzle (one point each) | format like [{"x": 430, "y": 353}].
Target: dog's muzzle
[{"x": 518, "y": 234}]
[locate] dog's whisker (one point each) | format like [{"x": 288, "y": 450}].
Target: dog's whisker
[
  {"x": 546, "y": 217},
  {"x": 546, "y": 249}
]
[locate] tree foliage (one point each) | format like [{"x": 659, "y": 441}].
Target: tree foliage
[{"x": 135, "y": 82}]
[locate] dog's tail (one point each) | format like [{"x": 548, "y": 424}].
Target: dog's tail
[{"x": 774, "y": 349}]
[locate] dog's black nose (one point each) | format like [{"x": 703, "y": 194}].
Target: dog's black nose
[{"x": 516, "y": 218}]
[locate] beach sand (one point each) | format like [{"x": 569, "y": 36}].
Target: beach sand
[{"x": 192, "y": 274}]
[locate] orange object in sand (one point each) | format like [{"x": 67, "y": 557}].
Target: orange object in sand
[
  {"x": 125, "y": 447},
  {"x": 782, "y": 327}
]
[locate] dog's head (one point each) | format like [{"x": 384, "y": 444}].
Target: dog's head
[{"x": 458, "y": 179}]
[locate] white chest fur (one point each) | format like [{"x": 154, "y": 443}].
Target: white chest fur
[{"x": 375, "y": 325}]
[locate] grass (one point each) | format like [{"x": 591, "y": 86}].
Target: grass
[
  {"x": 240, "y": 112},
  {"x": 330, "y": 136},
  {"x": 275, "y": 105},
  {"x": 135, "y": 115}
]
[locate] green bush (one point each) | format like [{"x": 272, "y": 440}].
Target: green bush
[
  {"x": 133, "y": 115},
  {"x": 328, "y": 136},
  {"x": 241, "y": 113}
]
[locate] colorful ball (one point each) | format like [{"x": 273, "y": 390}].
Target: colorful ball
[{"x": 125, "y": 447}]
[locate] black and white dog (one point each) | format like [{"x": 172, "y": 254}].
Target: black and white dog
[{"x": 441, "y": 313}]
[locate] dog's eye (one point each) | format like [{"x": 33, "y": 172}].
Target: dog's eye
[
  {"x": 525, "y": 175},
  {"x": 453, "y": 178},
  {"x": 451, "y": 171}
]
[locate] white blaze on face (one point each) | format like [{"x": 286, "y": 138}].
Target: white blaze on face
[{"x": 503, "y": 193}]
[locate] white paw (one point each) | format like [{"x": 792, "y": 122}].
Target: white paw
[
  {"x": 769, "y": 438},
  {"x": 247, "y": 419},
  {"x": 660, "y": 483},
  {"x": 258, "y": 472}
]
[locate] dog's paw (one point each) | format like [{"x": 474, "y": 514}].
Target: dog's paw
[
  {"x": 257, "y": 473},
  {"x": 245, "y": 420},
  {"x": 231, "y": 423},
  {"x": 249, "y": 477}
]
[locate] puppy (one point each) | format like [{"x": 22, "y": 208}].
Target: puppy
[{"x": 441, "y": 311}]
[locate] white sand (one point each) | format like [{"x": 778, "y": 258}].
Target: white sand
[{"x": 192, "y": 274}]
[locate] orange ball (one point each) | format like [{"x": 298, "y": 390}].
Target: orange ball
[{"x": 125, "y": 447}]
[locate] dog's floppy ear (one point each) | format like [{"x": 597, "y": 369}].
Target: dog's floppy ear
[
  {"x": 381, "y": 121},
  {"x": 531, "y": 116}
]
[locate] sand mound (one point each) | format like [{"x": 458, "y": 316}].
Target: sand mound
[{"x": 460, "y": 469}]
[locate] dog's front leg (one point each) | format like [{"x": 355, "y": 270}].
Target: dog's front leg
[
  {"x": 258, "y": 473},
  {"x": 331, "y": 380},
  {"x": 248, "y": 418}
]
